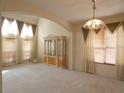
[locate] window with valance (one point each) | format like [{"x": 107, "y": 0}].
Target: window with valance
[
  {"x": 17, "y": 40},
  {"x": 104, "y": 43}
]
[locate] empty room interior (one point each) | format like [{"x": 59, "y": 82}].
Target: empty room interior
[{"x": 61, "y": 46}]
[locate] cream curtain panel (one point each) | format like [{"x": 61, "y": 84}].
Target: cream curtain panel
[
  {"x": 120, "y": 52},
  {"x": 20, "y": 49},
  {"x": 19, "y": 41},
  {"x": 88, "y": 51},
  {"x": 34, "y": 45},
  {"x": 1, "y": 20}
]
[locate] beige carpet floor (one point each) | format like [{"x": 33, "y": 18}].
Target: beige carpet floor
[{"x": 40, "y": 78}]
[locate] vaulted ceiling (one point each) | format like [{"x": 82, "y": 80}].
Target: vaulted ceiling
[{"x": 76, "y": 10}]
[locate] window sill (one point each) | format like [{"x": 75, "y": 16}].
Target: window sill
[{"x": 105, "y": 64}]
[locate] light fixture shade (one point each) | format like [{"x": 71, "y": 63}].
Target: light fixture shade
[{"x": 94, "y": 24}]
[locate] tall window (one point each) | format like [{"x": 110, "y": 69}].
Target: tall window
[
  {"x": 9, "y": 50},
  {"x": 9, "y": 32},
  {"x": 27, "y": 34},
  {"x": 105, "y": 47}
]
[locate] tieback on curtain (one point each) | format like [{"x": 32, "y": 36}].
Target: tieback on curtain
[{"x": 112, "y": 28}]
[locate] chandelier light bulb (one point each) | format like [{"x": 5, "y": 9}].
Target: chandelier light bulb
[{"x": 94, "y": 24}]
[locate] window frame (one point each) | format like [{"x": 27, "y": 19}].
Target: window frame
[
  {"x": 7, "y": 39},
  {"x": 104, "y": 62}
]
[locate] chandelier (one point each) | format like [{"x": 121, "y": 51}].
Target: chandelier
[{"x": 94, "y": 24}]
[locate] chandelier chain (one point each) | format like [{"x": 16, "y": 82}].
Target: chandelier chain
[{"x": 94, "y": 9}]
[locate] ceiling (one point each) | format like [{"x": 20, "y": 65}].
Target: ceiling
[
  {"x": 74, "y": 11},
  {"x": 79, "y": 10}
]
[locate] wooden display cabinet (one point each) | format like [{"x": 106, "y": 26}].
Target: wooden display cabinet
[{"x": 55, "y": 50}]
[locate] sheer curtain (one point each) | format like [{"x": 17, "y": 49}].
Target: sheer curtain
[
  {"x": 120, "y": 52},
  {"x": 34, "y": 44},
  {"x": 1, "y": 21},
  {"x": 88, "y": 52},
  {"x": 20, "y": 50}
]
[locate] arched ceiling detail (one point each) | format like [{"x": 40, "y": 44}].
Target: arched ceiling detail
[{"x": 21, "y": 7}]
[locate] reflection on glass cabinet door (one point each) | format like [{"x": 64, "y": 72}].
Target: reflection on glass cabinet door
[{"x": 54, "y": 50}]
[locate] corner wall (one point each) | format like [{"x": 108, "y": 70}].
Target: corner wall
[{"x": 47, "y": 27}]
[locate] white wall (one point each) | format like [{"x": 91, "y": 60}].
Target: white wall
[
  {"x": 101, "y": 69},
  {"x": 106, "y": 70},
  {"x": 47, "y": 27}
]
